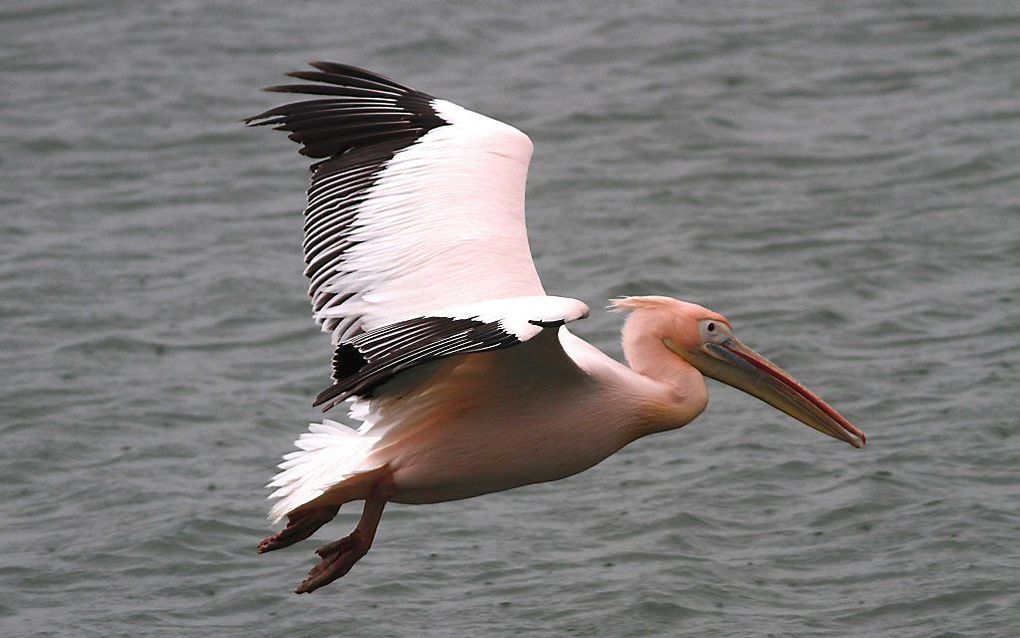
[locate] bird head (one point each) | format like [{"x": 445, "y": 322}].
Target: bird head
[{"x": 704, "y": 339}]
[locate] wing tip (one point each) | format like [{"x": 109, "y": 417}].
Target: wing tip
[{"x": 330, "y": 397}]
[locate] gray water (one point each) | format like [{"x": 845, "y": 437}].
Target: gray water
[{"x": 841, "y": 179}]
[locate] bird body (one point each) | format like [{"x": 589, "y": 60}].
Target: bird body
[
  {"x": 442, "y": 433},
  {"x": 456, "y": 362}
]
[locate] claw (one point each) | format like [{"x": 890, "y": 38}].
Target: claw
[
  {"x": 338, "y": 558},
  {"x": 300, "y": 526}
]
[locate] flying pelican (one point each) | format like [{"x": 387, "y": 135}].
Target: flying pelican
[{"x": 445, "y": 344}]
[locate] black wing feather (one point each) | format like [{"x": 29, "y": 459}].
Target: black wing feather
[
  {"x": 374, "y": 357},
  {"x": 355, "y": 130}
]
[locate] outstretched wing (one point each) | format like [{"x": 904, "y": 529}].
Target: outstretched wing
[
  {"x": 372, "y": 358},
  {"x": 415, "y": 205}
]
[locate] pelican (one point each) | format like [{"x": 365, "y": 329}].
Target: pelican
[{"x": 445, "y": 345}]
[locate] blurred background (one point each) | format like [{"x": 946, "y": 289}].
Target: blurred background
[{"x": 840, "y": 178}]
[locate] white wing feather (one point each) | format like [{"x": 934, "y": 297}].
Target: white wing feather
[{"x": 443, "y": 225}]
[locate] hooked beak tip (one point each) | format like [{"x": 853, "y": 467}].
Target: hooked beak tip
[{"x": 855, "y": 436}]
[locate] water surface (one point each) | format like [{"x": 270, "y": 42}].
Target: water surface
[{"x": 840, "y": 179}]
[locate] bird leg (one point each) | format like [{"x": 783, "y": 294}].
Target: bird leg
[
  {"x": 339, "y": 556},
  {"x": 300, "y": 525}
]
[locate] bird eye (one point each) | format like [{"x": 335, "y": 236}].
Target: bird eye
[{"x": 712, "y": 330}]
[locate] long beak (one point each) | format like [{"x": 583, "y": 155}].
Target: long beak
[{"x": 735, "y": 364}]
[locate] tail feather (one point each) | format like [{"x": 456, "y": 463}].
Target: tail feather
[{"x": 327, "y": 454}]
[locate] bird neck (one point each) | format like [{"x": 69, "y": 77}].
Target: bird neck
[{"x": 676, "y": 391}]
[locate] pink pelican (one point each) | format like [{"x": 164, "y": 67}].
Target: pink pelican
[{"x": 445, "y": 344}]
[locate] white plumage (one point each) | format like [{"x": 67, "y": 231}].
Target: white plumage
[
  {"x": 327, "y": 454},
  {"x": 420, "y": 226}
]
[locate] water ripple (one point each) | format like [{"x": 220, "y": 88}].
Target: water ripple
[{"x": 838, "y": 180}]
